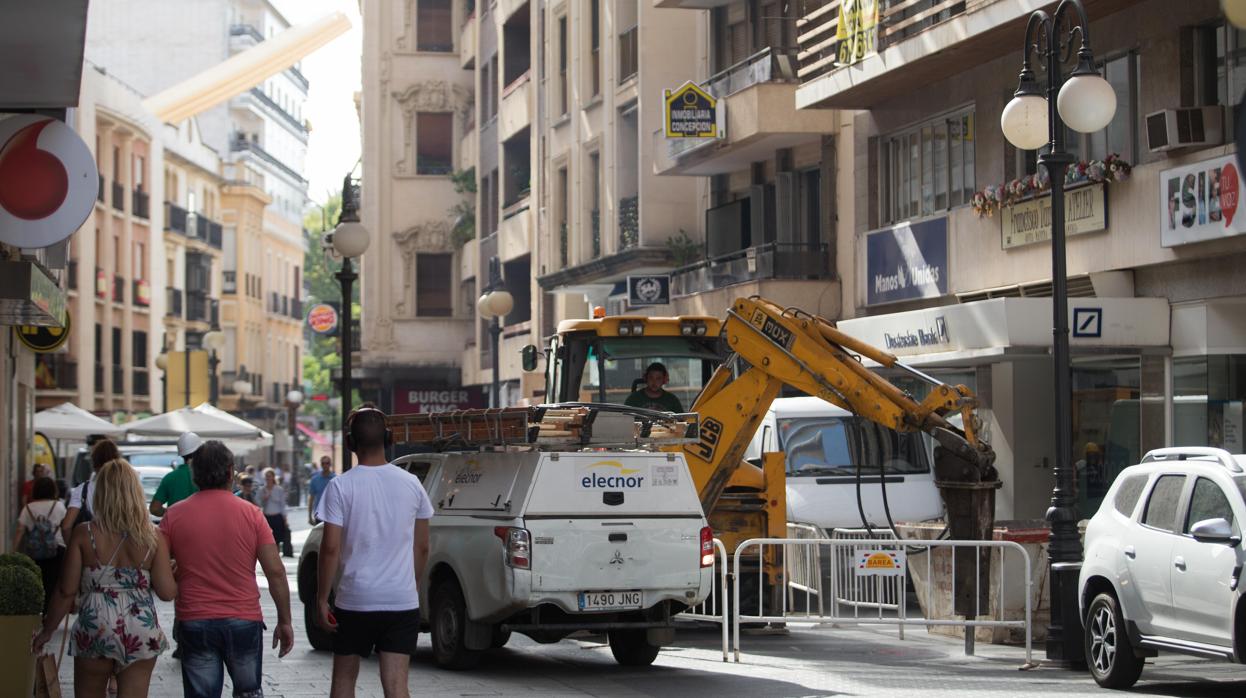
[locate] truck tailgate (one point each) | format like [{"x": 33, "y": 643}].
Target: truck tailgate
[{"x": 587, "y": 554}]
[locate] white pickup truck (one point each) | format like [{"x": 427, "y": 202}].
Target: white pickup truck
[{"x": 548, "y": 543}]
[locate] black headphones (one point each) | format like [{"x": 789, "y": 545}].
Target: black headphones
[{"x": 349, "y": 436}]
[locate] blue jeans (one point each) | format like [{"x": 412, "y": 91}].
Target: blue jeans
[{"x": 209, "y": 646}]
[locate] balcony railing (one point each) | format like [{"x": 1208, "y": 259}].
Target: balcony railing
[
  {"x": 201, "y": 228},
  {"x": 100, "y": 196},
  {"x": 215, "y": 234},
  {"x": 198, "y": 307},
  {"x": 897, "y": 21},
  {"x": 118, "y": 288},
  {"x": 771, "y": 64},
  {"x": 101, "y": 284},
  {"x": 289, "y": 118},
  {"x": 99, "y": 377},
  {"x": 628, "y": 53},
  {"x": 142, "y": 204},
  {"x": 242, "y": 144},
  {"x": 296, "y": 308},
  {"x": 173, "y": 307},
  {"x": 55, "y": 372},
  {"x": 118, "y": 196},
  {"x": 246, "y": 30},
  {"x": 229, "y": 282},
  {"x": 629, "y": 222},
  {"x": 71, "y": 275},
  {"x": 595, "y": 216},
  {"x": 142, "y": 385},
  {"x": 175, "y": 217},
  {"x": 142, "y": 293},
  {"x": 769, "y": 261}
]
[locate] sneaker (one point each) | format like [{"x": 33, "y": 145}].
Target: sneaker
[{"x": 177, "y": 652}]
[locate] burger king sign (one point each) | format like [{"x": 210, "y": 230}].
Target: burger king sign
[{"x": 322, "y": 318}]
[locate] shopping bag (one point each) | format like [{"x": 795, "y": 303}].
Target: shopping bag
[{"x": 48, "y": 669}]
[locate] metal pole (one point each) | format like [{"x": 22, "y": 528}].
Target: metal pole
[
  {"x": 214, "y": 386},
  {"x": 186, "y": 363},
  {"x": 346, "y": 277},
  {"x": 495, "y": 333},
  {"x": 1064, "y": 641}
]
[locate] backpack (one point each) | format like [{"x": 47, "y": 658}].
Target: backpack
[
  {"x": 40, "y": 542},
  {"x": 84, "y": 513}
]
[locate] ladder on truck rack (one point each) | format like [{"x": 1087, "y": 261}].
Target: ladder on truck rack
[{"x": 571, "y": 425}]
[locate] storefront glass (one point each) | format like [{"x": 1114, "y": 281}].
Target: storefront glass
[
  {"x": 1106, "y": 424},
  {"x": 1208, "y": 393}
]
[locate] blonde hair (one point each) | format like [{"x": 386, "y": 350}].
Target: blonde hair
[{"x": 119, "y": 506}]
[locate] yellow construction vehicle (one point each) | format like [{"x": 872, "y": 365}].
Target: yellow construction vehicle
[{"x": 730, "y": 371}]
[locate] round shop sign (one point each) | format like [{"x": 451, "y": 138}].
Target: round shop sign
[
  {"x": 322, "y": 318},
  {"x": 48, "y": 181},
  {"x": 43, "y": 339}
]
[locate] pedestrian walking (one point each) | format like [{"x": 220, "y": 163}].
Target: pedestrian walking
[
  {"x": 113, "y": 563},
  {"x": 37, "y": 471},
  {"x": 179, "y": 484},
  {"x": 246, "y": 490},
  {"x": 39, "y": 533},
  {"x": 273, "y": 501},
  {"x": 216, "y": 539},
  {"x": 316, "y": 487},
  {"x": 81, "y": 498},
  {"x": 376, "y": 536}
]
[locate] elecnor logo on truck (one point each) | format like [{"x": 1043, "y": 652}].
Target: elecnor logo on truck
[{"x": 611, "y": 474}]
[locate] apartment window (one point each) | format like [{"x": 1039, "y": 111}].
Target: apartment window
[
  {"x": 433, "y": 25},
  {"x": 116, "y": 346},
  {"x": 434, "y": 285},
  {"x": 927, "y": 168},
  {"x": 517, "y": 276},
  {"x": 140, "y": 262},
  {"x": 562, "y": 65},
  {"x": 434, "y": 143},
  {"x": 116, "y": 163},
  {"x": 628, "y": 31},
  {"x": 594, "y": 47},
  {"x": 594, "y": 202},
  {"x": 1120, "y": 135},
  {"x": 563, "y": 243},
  {"x": 139, "y": 350}
]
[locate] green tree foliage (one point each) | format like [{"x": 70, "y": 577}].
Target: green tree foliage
[
  {"x": 322, "y": 357},
  {"x": 464, "y": 211}
]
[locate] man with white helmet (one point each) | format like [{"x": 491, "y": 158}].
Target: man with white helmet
[{"x": 179, "y": 484}]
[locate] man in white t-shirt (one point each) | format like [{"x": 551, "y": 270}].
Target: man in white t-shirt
[{"x": 376, "y": 535}]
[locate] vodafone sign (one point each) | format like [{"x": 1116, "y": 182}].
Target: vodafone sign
[{"x": 48, "y": 180}]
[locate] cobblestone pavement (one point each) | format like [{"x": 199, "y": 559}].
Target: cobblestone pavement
[{"x": 801, "y": 663}]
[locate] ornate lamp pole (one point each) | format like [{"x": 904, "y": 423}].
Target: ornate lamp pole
[
  {"x": 214, "y": 341},
  {"x": 1086, "y": 103},
  {"x": 495, "y": 303},
  {"x": 350, "y": 239}
]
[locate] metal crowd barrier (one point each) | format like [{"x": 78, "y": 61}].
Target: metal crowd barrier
[
  {"x": 713, "y": 609},
  {"x": 872, "y": 560}
]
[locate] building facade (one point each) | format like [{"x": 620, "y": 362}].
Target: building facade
[
  {"x": 1156, "y": 321},
  {"x": 108, "y": 363},
  {"x": 418, "y": 113}
]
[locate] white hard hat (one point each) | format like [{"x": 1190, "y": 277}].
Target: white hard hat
[{"x": 188, "y": 443}]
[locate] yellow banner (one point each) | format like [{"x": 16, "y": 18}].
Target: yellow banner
[
  {"x": 176, "y": 389},
  {"x": 857, "y": 30}
]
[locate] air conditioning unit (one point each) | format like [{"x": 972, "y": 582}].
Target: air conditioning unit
[{"x": 1182, "y": 128}]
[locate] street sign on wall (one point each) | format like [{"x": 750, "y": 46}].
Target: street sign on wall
[
  {"x": 1028, "y": 222},
  {"x": 906, "y": 262},
  {"x": 409, "y": 398},
  {"x": 1199, "y": 202},
  {"x": 648, "y": 289},
  {"x": 43, "y": 339}
]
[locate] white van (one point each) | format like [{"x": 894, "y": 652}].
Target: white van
[
  {"x": 549, "y": 543},
  {"x": 829, "y": 449}
]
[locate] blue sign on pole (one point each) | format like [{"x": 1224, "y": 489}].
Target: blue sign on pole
[{"x": 906, "y": 262}]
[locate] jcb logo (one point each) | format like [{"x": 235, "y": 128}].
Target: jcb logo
[{"x": 711, "y": 434}]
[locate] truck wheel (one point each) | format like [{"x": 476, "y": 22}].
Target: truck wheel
[
  {"x": 500, "y": 637},
  {"x": 1109, "y": 654},
  {"x": 631, "y": 648},
  {"x": 449, "y": 624}
]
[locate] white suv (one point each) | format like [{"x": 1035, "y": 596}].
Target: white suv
[{"x": 1163, "y": 564}]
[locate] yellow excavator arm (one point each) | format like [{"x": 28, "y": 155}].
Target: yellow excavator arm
[{"x": 789, "y": 347}]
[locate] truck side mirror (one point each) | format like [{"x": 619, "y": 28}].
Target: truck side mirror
[{"x": 530, "y": 358}]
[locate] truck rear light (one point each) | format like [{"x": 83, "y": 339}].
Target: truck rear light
[
  {"x": 707, "y": 547},
  {"x": 518, "y": 545}
]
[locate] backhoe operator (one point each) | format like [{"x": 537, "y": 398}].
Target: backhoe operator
[{"x": 652, "y": 396}]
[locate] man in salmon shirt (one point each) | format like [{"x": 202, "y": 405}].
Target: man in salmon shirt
[{"x": 216, "y": 539}]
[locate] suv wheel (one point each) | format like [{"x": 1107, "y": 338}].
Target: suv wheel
[
  {"x": 1109, "y": 653},
  {"x": 317, "y": 637},
  {"x": 632, "y": 648},
  {"x": 449, "y": 625}
]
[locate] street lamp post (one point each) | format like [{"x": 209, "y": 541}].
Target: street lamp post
[
  {"x": 350, "y": 239},
  {"x": 1086, "y": 103},
  {"x": 294, "y": 398},
  {"x": 495, "y": 303},
  {"x": 213, "y": 341}
]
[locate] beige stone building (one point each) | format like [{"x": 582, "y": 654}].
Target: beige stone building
[
  {"x": 108, "y": 362},
  {"x": 418, "y": 117}
]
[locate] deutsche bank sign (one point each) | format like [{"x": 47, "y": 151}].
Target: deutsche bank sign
[{"x": 906, "y": 262}]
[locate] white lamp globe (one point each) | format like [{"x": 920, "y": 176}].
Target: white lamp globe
[
  {"x": 1087, "y": 103},
  {"x": 214, "y": 340},
  {"x": 294, "y": 397},
  {"x": 495, "y": 304},
  {"x": 162, "y": 361},
  {"x": 242, "y": 387},
  {"x": 351, "y": 239},
  {"x": 1024, "y": 122}
]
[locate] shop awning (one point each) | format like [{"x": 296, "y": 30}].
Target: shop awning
[
  {"x": 68, "y": 421},
  {"x": 989, "y": 331},
  {"x": 28, "y": 296}
]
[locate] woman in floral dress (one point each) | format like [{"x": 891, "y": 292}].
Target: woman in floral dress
[{"x": 113, "y": 564}]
